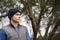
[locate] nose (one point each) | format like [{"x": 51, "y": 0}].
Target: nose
[{"x": 19, "y": 16}]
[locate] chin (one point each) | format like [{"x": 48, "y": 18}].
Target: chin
[{"x": 17, "y": 21}]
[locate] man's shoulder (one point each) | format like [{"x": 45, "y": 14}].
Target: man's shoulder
[
  {"x": 5, "y": 27},
  {"x": 2, "y": 31}
]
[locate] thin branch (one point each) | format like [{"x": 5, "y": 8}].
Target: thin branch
[
  {"x": 48, "y": 25},
  {"x": 41, "y": 14},
  {"x": 52, "y": 32},
  {"x": 29, "y": 10}
]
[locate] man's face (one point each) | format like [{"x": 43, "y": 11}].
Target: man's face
[{"x": 16, "y": 17}]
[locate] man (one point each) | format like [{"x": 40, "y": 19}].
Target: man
[{"x": 14, "y": 31}]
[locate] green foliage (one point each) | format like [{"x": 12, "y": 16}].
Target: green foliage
[
  {"x": 8, "y": 3},
  {"x": 40, "y": 38},
  {"x": 33, "y": 2},
  {"x": 57, "y": 36},
  {"x": 23, "y": 10}
]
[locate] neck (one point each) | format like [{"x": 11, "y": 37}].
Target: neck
[{"x": 15, "y": 24}]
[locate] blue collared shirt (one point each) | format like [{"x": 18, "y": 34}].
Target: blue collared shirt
[{"x": 4, "y": 37}]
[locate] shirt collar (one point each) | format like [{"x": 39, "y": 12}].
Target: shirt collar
[{"x": 13, "y": 26}]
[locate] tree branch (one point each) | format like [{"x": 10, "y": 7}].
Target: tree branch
[{"x": 29, "y": 10}]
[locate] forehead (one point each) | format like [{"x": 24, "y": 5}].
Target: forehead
[{"x": 17, "y": 13}]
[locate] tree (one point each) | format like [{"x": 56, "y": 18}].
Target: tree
[
  {"x": 56, "y": 36},
  {"x": 43, "y": 6}
]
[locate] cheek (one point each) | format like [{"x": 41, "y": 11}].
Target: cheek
[
  {"x": 17, "y": 18},
  {"x": 14, "y": 17}
]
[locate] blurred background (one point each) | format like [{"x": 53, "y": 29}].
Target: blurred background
[{"x": 41, "y": 17}]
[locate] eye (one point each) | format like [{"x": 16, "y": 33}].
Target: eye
[{"x": 17, "y": 14}]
